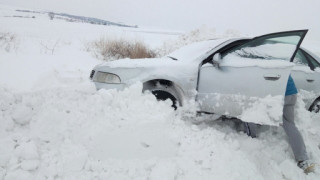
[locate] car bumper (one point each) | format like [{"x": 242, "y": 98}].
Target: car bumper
[{"x": 109, "y": 86}]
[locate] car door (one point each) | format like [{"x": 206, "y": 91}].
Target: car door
[
  {"x": 306, "y": 75},
  {"x": 251, "y": 78},
  {"x": 315, "y": 67},
  {"x": 301, "y": 73}
]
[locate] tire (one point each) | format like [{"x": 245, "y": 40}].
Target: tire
[
  {"x": 315, "y": 107},
  {"x": 163, "y": 95}
]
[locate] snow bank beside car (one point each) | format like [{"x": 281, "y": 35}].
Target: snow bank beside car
[
  {"x": 80, "y": 133},
  {"x": 200, "y": 34},
  {"x": 57, "y": 133}
]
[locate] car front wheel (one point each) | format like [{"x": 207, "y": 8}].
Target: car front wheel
[
  {"x": 315, "y": 107},
  {"x": 163, "y": 95}
]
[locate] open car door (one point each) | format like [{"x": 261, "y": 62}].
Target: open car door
[{"x": 250, "y": 81}]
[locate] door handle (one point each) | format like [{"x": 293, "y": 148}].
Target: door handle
[
  {"x": 272, "y": 77},
  {"x": 310, "y": 80}
]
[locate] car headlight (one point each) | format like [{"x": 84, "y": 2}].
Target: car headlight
[{"x": 104, "y": 77}]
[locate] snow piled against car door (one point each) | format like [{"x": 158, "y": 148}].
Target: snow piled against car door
[{"x": 80, "y": 133}]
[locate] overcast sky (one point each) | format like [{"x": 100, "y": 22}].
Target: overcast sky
[{"x": 248, "y": 16}]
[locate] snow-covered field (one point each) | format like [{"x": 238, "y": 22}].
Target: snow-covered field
[{"x": 55, "y": 125}]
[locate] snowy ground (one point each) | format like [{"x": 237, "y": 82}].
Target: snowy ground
[{"x": 55, "y": 125}]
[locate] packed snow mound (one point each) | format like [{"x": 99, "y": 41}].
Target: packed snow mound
[
  {"x": 57, "y": 132},
  {"x": 81, "y": 133}
]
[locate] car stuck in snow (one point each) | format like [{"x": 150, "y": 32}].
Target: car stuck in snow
[{"x": 225, "y": 76}]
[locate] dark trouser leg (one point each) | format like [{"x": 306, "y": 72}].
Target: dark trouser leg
[
  {"x": 294, "y": 137},
  {"x": 251, "y": 129}
]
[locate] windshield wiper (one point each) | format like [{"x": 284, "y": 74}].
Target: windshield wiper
[{"x": 172, "y": 58}]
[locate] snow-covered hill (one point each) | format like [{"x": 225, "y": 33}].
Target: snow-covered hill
[{"x": 55, "y": 125}]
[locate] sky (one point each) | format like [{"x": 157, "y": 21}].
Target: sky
[{"x": 252, "y": 17}]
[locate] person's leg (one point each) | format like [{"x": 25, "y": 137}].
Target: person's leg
[
  {"x": 294, "y": 137},
  {"x": 251, "y": 129}
]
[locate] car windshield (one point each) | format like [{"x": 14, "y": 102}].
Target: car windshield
[{"x": 195, "y": 50}]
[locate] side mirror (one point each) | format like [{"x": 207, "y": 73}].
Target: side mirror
[{"x": 216, "y": 60}]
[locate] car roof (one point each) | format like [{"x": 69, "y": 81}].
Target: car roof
[
  {"x": 195, "y": 50},
  {"x": 192, "y": 51}
]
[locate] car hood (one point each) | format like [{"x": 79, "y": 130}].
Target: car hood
[
  {"x": 133, "y": 70},
  {"x": 141, "y": 63}
]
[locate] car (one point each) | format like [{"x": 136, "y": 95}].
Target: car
[{"x": 230, "y": 77}]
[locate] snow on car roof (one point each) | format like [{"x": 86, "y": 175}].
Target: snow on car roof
[{"x": 195, "y": 50}]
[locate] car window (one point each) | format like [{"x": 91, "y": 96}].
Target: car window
[
  {"x": 300, "y": 58},
  {"x": 314, "y": 62},
  {"x": 270, "y": 47}
]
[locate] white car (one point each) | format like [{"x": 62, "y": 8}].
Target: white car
[{"x": 225, "y": 76}]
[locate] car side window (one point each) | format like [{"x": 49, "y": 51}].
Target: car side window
[
  {"x": 300, "y": 58},
  {"x": 269, "y": 47},
  {"x": 313, "y": 62}
]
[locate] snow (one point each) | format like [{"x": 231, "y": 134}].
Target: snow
[
  {"x": 195, "y": 50},
  {"x": 202, "y": 33},
  {"x": 55, "y": 125},
  {"x": 266, "y": 113}
]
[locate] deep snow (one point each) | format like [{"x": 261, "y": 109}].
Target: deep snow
[
  {"x": 55, "y": 125},
  {"x": 79, "y": 133}
]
